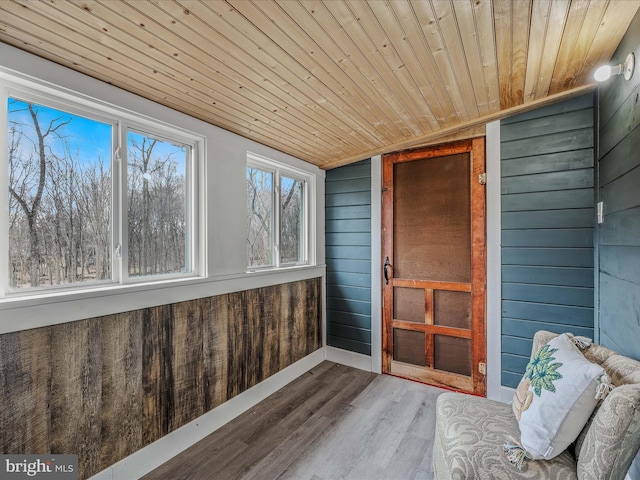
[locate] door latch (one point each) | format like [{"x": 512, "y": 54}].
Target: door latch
[
  {"x": 482, "y": 179},
  {"x": 386, "y": 271}
]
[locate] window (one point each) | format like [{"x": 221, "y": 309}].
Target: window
[
  {"x": 158, "y": 220},
  {"x": 277, "y": 215},
  {"x": 84, "y": 210}
]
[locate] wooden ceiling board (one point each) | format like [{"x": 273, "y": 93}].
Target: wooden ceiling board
[
  {"x": 417, "y": 54},
  {"x": 520, "y": 37},
  {"x": 486, "y": 96},
  {"x": 345, "y": 55},
  {"x": 249, "y": 59},
  {"x": 556, "y": 23},
  {"x": 573, "y": 46},
  {"x": 400, "y": 54},
  {"x": 331, "y": 81},
  {"x": 453, "y": 47},
  {"x": 237, "y": 68},
  {"x": 249, "y": 107},
  {"x": 250, "y": 21},
  {"x": 434, "y": 44},
  {"x": 502, "y": 18},
  {"x": 483, "y": 16},
  {"x": 322, "y": 63},
  {"x": 172, "y": 78},
  {"x": 535, "y": 55},
  {"x": 408, "y": 110}
]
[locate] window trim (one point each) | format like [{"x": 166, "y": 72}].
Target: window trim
[
  {"x": 121, "y": 121},
  {"x": 279, "y": 169}
]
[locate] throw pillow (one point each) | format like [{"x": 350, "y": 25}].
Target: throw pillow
[{"x": 556, "y": 397}]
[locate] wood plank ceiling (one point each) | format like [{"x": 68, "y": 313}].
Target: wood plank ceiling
[{"x": 335, "y": 81}]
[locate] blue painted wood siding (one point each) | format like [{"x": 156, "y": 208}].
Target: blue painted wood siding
[
  {"x": 618, "y": 238},
  {"x": 547, "y": 187},
  {"x": 348, "y": 251},
  {"x": 619, "y": 189}
]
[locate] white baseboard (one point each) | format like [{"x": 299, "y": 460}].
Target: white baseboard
[
  {"x": 152, "y": 456},
  {"x": 350, "y": 359},
  {"x": 506, "y": 394}
]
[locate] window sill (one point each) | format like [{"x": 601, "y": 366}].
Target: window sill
[
  {"x": 25, "y": 312},
  {"x": 259, "y": 270}
]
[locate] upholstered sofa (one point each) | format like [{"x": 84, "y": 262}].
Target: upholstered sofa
[{"x": 471, "y": 431}]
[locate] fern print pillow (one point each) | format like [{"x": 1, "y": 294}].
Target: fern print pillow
[{"x": 555, "y": 398}]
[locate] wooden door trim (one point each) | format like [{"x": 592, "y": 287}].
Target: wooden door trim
[
  {"x": 387, "y": 252},
  {"x": 454, "y": 148},
  {"x": 431, "y": 285},
  {"x": 476, "y": 148},
  {"x": 435, "y": 377},
  {"x": 478, "y": 266},
  {"x": 436, "y": 329}
]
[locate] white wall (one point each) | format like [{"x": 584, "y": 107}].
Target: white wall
[
  {"x": 494, "y": 263},
  {"x": 225, "y": 211}
]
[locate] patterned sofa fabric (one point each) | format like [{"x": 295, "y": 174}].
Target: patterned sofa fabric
[{"x": 470, "y": 432}]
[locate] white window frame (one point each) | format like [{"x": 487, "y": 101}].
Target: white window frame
[
  {"x": 278, "y": 170},
  {"x": 121, "y": 121}
]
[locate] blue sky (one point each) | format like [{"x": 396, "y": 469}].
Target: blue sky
[{"x": 89, "y": 138}]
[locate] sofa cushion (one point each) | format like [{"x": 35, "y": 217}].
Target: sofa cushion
[
  {"x": 470, "y": 432},
  {"x": 555, "y": 398},
  {"x": 611, "y": 441}
]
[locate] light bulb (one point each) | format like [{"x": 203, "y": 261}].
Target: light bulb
[
  {"x": 602, "y": 73},
  {"x": 606, "y": 71}
]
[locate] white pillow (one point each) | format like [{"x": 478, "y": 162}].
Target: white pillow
[{"x": 555, "y": 398}]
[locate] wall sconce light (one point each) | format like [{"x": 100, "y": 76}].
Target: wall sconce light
[{"x": 606, "y": 71}]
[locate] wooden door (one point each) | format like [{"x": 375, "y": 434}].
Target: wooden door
[{"x": 433, "y": 221}]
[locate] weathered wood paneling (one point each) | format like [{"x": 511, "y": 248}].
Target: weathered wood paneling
[
  {"x": 187, "y": 363},
  {"x": 76, "y": 392},
  {"x": 157, "y": 384},
  {"x": 348, "y": 251},
  {"x": 121, "y": 385},
  {"x": 105, "y": 387},
  {"x": 24, "y": 397},
  {"x": 547, "y": 190}
]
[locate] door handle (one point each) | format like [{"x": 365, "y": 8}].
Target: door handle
[{"x": 386, "y": 270}]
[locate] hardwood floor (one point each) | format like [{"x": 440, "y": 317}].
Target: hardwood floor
[{"x": 334, "y": 422}]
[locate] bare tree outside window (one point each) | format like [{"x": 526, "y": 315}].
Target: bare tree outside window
[
  {"x": 157, "y": 206},
  {"x": 59, "y": 197},
  {"x": 291, "y": 209},
  {"x": 259, "y": 217},
  {"x": 275, "y": 223},
  {"x": 60, "y": 200}
]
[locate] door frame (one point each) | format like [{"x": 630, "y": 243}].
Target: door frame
[{"x": 476, "y": 148}]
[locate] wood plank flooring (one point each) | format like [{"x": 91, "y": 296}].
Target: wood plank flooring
[{"x": 334, "y": 422}]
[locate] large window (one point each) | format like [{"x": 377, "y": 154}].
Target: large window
[
  {"x": 85, "y": 207},
  {"x": 277, "y": 215}
]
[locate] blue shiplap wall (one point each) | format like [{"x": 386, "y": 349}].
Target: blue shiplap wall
[
  {"x": 547, "y": 187},
  {"x": 348, "y": 252},
  {"x": 619, "y": 188}
]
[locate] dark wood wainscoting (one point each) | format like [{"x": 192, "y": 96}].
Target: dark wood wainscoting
[{"x": 105, "y": 387}]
